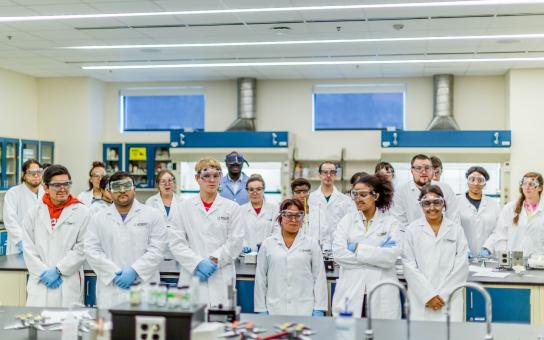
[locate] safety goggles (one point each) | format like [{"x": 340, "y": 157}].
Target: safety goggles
[
  {"x": 209, "y": 175},
  {"x": 426, "y": 168},
  {"x": 60, "y": 185},
  {"x": 97, "y": 174},
  {"x": 165, "y": 181},
  {"x": 291, "y": 215},
  {"x": 432, "y": 202},
  {"x": 361, "y": 194},
  {"x": 33, "y": 173},
  {"x": 386, "y": 171},
  {"x": 301, "y": 192},
  {"x": 255, "y": 190},
  {"x": 479, "y": 180},
  {"x": 328, "y": 172},
  {"x": 122, "y": 185},
  {"x": 528, "y": 182},
  {"x": 234, "y": 159}
]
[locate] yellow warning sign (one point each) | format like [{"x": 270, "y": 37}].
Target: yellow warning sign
[{"x": 138, "y": 154}]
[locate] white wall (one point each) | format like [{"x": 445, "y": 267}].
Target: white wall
[{"x": 18, "y": 105}]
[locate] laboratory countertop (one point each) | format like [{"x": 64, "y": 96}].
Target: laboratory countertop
[{"x": 247, "y": 271}]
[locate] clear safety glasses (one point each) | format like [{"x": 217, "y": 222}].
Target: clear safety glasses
[
  {"x": 477, "y": 180},
  {"x": 361, "y": 194},
  {"x": 255, "y": 190},
  {"x": 328, "y": 172},
  {"x": 60, "y": 185},
  {"x": 97, "y": 174},
  {"x": 426, "y": 168},
  {"x": 291, "y": 215},
  {"x": 234, "y": 159},
  {"x": 529, "y": 182},
  {"x": 164, "y": 181},
  {"x": 210, "y": 175},
  {"x": 34, "y": 173},
  {"x": 432, "y": 202},
  {"x": 122, "y": 185}
]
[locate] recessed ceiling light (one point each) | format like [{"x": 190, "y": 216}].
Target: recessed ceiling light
[
  {"x": 309, "y": 42},
  {"x": 312, "y": 63},
  {"x": 470, "y": 3}
]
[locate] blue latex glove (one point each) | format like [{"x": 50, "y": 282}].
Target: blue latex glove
[
  {"x": 125, "y": 277},
  {"x": 352, "y": 246},
  {"x": 201, "y": 277},
  {"x": 246, "y": 250},
  {"x": 389, "y": 243},
  {"x": 318, "y": 313},
  {"x": 56, "y": 284},
  {"x": 484, "y": 253},
  {"x": 263, "y": 313},
  {"x": 20, "y": 247},
  {"x": 49, "y": 276},
  {"x": 206, "y": 268}
]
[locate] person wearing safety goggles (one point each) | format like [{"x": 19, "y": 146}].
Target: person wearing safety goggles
[
  {"x": 435, "y": 259},
  {"x": 125, "y": 243},
  {"x": 167, "y": 198},
  {"x": 233, "y": 185},
  {"x": 385, "y": 169},
  {"x": 105, "y": 200},
  {"x": 18, "y": 200},
  {"x": 316, "y": 224},
  {"x": 406, "y": 207},
  {"x": 478, "y": 213},
  {"x": 290, "y": 277},
  {"x": 336, "y": 204},
  {"x": 521, "y": 223},
  {"x": 97, "y": 171},
  {"x": 259, "y": 215},
  {"x": 53, "y": 237},
  {"x": 206, "y": 236},
  {"x": 366, "y": 246},
  {"x": 437, "y": 168}
]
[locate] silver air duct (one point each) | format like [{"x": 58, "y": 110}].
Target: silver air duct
[
  {"x": 443, "y": 103},
  {"x": 247, "y": 105}
]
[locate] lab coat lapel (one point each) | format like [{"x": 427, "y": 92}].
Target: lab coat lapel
[
  {"x": 375, "y": 225},
  {"x": 444, "y": 230},
  {"x": 134, "y": 211},
  {"x": 217, "y": 203},
  {"x": 297, "y": 242},
  {"x": 66, "y": 213}
]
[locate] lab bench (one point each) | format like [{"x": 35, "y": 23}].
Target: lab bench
[{"x": 516, "y": 298}]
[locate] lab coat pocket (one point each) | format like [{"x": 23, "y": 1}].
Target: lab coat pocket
[
  {"x": 448, "y": 252},
  {"x": 140, "y": 238}
]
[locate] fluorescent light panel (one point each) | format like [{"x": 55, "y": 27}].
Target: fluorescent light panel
[
  {"x": 311, "y": 63},
  {"x": 472, "y": 3},
  {"x": 311, "y": 42}
]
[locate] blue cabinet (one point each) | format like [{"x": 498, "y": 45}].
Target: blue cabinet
[
  {"x": 10, "y": 162},
  {"x": 47, "y": 152},
  {"x": 512, "y": 305},
  {"x": 3, "y": 242},
  {"x": 30, "y": 149},
  {"x": 90, "y": 291},
  {"x": 144, "y": 161},
  {"x": 112, "y": 155},
  {"x": 229, "y": 139},
  {"x": 245, "y": 295},
  {"x": 446, "y": 139}
]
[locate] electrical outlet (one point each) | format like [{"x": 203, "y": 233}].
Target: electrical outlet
[{"x": 150, "y": 328}]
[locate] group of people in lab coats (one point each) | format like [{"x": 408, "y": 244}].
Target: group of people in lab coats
[{"x": 124, "y": 241}]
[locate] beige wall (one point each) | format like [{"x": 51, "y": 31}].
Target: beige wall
[{"x": 18, "y": 105}]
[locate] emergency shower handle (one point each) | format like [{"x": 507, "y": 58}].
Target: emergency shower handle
[
  {"x": 369, "y": 333},
  {"x": 487, "y": 298}
]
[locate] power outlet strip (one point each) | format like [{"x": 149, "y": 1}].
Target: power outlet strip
[{"x": 150, "y": 328}]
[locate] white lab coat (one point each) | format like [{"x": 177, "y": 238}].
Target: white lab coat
[
  {"x": 406, "y": 206},
  {"x": 259, "y": 227},
  {"x": 17, "y": 202},
  {"x": 86, "y": 197},
  {"x": 290, "y": 281},
  {"x": 434, "y": 265},
  {"x": 478, "y": 225},
  {"x": 338, "y": 206},
  {"x": 44, "y": 247},
  {"x": 197, "y": 234},
  {"x": 112, "y": 244},
  {"x": 318, "y": 226},
  {"x": 526, "y": 236},
  {"x": 370, "y": 264},
  {"x": 155, "y": 201},
  {"x": 98, "y": 206}
]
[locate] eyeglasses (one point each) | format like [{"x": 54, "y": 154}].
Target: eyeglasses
[
  {"x": 328, "y": 172},
  {"x": 167, "y": 181},
  {"x": 33, "y": 173},
  {"x": 123, "y": 185},
  {"x": 234, "y": 159},
  {"x": 361, "y": 194},
  {"x": 60, "y": 185},
  {"x": 209, "y": 176},
  {"x": 476, "y": 180},
  {"x": 530, "y": 183},
  {"x": 422, "y": 168},
  {"x": 429, "y": 203},
  {"x": 292, "y": 216},
  {"x": 301, "y": 192},
  {"x": 255, "y": 190},
  {"x": 97, "y": 174}
]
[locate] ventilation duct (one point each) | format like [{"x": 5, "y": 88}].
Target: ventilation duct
[
  {"x": 247, "y": 105},
  {"x": 443, "y": 103}
]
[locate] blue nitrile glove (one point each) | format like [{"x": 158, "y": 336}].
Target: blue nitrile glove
[
  {"x": 352, "y": 246},
  {"x": 201, "y": 277},
  {"x": 56, "y": 284},
  {"x": 206, "y": 267},
  {"x": 389, "y": 243},
  {"x": 20, "y": 247},
  {"x": 49, "y": 276},
  {"x": 246, "y": 249},
  {"x": 318, "y": 313},
  {"x": 124, "y": 277},
  {"x": 484, "y": 252},
  {"x": 263, "y": 313}
]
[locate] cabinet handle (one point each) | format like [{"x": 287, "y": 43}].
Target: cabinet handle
[
  {"x": 87, "y": 289},
  {"x": 471, "y": 300}
]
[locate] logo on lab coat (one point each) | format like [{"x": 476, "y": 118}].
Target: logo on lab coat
[{"x": 223, "y": 218}]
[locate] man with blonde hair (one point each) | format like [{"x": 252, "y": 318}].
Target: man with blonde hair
[{"x": 206, "y": 236}]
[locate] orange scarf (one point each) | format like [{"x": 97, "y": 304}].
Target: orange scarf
[{"x": 55, "y": 211}]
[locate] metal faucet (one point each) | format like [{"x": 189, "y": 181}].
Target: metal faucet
[
  {"x": 487, "y": 297},
  {"x": 369, "y": 333}
]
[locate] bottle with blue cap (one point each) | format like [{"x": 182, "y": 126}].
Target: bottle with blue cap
[{"x": 346, "y": 329}]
